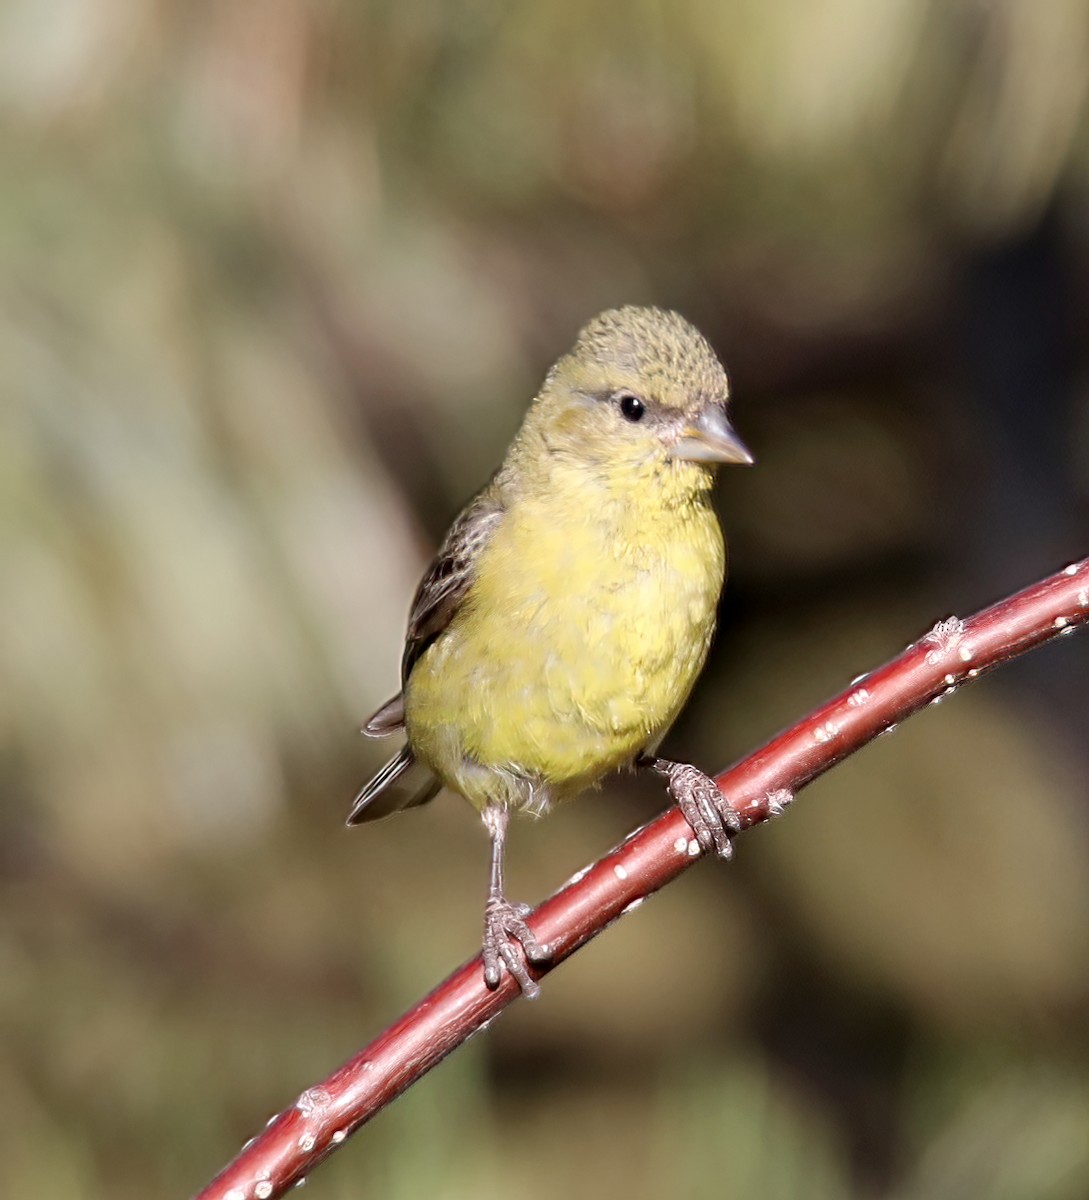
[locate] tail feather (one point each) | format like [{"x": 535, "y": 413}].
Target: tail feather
[{"x": 402, "y": 783}]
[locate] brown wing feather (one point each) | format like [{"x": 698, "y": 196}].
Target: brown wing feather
[
  {"x": 441, "y": 591},
  {"x": 390, "y": 718},
  {"x": 449, "y": 577},
  {"x": 402, "y": 782}
]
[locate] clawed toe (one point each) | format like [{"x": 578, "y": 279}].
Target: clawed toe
[
  {"x": 705, "y": 808},
  {"x": 509, "y": 943}
]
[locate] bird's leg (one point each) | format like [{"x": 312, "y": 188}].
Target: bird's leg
[
  {"x": 508, "y": 940},
  {"x": 705, "y": 808}
]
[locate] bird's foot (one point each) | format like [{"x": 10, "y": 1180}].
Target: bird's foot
[
  {"x": 705, "y": 808},
  {"x": 509, "y": 942}
]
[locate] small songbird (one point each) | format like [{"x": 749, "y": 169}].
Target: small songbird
[{"x": 560, "y": 628}]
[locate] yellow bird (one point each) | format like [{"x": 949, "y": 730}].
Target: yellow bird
[{"x": 560, "y": 628}]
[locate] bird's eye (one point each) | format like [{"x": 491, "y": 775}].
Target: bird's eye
[{"x": 632, "y": 408}]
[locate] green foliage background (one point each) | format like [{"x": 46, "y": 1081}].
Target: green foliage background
[{"x": 277, "y": 280}]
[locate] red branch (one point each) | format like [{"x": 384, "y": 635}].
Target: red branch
[{"x": 758, "y": 787}]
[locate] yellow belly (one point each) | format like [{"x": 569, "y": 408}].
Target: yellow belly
[{"x": 581, "y": 639}]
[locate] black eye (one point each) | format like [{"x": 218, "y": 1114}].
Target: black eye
[{"x": 631, "y": 406}]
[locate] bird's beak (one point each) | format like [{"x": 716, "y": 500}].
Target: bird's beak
[{"x": 711, "y": 439}]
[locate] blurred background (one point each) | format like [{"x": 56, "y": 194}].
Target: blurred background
[{"x": 277, "y": 281}]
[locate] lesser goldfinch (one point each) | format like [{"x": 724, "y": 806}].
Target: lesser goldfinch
[{"x": 561, "y": 626}]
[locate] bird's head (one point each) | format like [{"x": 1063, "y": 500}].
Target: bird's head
[{"x": 640, "y": 385}]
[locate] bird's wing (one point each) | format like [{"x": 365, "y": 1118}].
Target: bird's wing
[
  {"x": 437, "y": 599},
  {"x": 403, "y": 782},
  {"x": 450, "y": 576},
  {"x": 388, "y": 719}
]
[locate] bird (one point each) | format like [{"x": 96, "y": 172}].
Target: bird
[{"x": 559, "y": 630}]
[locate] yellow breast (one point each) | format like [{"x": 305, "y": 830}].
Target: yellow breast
[{"x": 586, "y": 627}]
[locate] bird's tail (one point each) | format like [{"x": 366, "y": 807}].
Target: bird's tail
[{"x": 402, "y": 783}]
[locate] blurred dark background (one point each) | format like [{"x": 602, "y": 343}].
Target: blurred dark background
[{"x": 277, "y": 281}]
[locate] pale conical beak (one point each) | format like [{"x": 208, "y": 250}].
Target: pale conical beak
[{"x": 711, "y": 439}]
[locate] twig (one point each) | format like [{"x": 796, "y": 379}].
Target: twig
[{"x": 758, "y": 786}]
